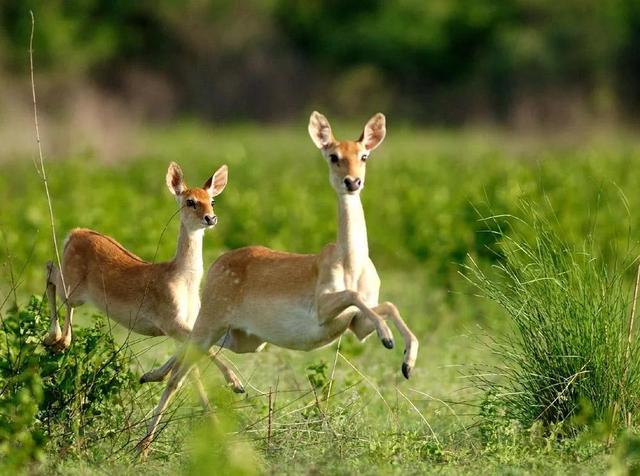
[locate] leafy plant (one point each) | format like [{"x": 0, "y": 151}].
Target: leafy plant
[
  {"x": 317, "y": 375},
  {"x": 62, "y": 399}
]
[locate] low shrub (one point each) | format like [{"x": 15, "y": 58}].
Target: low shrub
[{"x": 66, "y": 400}]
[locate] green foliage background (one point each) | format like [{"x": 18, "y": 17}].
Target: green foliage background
[{"x": 454, "y": 58}]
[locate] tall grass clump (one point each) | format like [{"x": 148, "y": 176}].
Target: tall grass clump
[{"x": 570, "y": 357}]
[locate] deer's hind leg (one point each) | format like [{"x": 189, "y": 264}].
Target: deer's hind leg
[
  {"x": 60, "y": 339},
  {"x": 65, "y": 340},
  {"x": 55, "y": 333}
]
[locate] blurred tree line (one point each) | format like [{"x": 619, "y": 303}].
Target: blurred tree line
[{"x": 437, "y": 60}]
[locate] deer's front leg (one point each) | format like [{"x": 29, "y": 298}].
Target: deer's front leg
[
  {"x": 390, "y": 311},
  {"x": 331, "y": 304},
  {"x": 362, "y": 327}
]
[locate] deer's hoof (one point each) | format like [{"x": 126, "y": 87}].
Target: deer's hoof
[
  {"x": 406, "y": 370},
  {"x": 60, "y": 345},
  {"x": 52, "y": 339},
  {"x": 238, "y": 388},
  {"x": 388, "y": 343},
  {"x": 56, "y": 346}
]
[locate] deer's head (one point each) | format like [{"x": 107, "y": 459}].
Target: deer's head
[
  {"x": 196, "y": 204},
  {"x": 347, "y": 159}
]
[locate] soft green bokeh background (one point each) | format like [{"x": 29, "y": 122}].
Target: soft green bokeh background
[{"x": 522, "y": 62}]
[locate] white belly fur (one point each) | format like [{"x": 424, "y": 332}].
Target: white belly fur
[
  {"x": 137, "y": 319},
  {"x": 289, "y": 325}
]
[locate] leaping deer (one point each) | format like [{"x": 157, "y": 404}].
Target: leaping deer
[
  {"x": 152, "y": 299},
  {"x": 255, "y": 295}
]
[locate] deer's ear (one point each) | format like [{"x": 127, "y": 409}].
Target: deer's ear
[
  {"x": 374, "y": 132},
  {"x": 320, "y": 130},
  {"x": 175, "y": 179},
  {"x": 216, "y": 183}
]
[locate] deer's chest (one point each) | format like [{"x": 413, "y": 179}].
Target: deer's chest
[
  {"x": 361, "y": 278},
  {"x": 186, "y": 298}
]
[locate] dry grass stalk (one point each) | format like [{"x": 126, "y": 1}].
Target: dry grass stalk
[{"x": 41, "y": 170}]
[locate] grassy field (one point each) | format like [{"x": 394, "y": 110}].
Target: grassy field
[{"x": 343, "y": 409}]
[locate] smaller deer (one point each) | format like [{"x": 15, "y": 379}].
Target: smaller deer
[
  {"x": 152, "y": 299},
  {"x": 255, "y": 295}
]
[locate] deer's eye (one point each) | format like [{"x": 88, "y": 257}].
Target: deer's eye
[
  {"x": 334, "y": 158},
  {"x": 364, "y": 158},
  {"x": 191, "y": 203}
]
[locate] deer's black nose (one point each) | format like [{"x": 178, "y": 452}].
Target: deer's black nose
[
  {"x": 210, "y": 219},
  {"x": 352, "y": 184}
]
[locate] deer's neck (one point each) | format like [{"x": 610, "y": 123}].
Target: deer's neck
[
  {"x": 352, "y": 233},
  {"x": 188, "y": 259}
]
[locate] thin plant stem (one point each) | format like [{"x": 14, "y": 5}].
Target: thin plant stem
[{"x": 42, "y": 171}]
